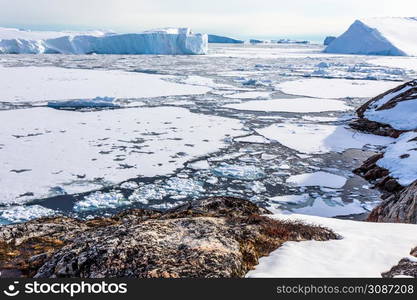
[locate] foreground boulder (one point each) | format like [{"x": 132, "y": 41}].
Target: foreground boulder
[
  {"x": 406, "y": 267},
  {"x": 216, "y": 237}
]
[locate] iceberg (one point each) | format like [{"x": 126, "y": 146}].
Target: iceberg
[
  {"x": 328, "y": 40},
  {"x": 378, "y": 36},
  {"x": 212, "y": 38},
  {"x": 169, "y": 41}
]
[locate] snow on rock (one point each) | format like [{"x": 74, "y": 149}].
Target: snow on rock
[
  {"x": 318, "y": 138},
  {"x": 400, "y": 158},
  {"x": 365, "y": 250},
  {"x": 32, "y": 84},
  {"x": 318, "y": 179},
  {"x": 397, "y": 107},
  {"x": 378, "y": 36},
  {"x": 298, "y": 105},
  {"x": 170, "y": 41},
  {"x": 335, "y": 88}
]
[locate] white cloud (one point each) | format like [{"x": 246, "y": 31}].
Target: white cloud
[{"x": 238, "y": 17}]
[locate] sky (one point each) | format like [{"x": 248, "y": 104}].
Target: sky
[{"x": 235, "y": 18}]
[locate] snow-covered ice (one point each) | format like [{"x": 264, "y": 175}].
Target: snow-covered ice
[
  {"x": 32, "y": 84},
  {"x": 256, "y": 139},
  {"x": 336, "y": 88},
  {"x": 299, "y": 105},
  {"x": 365, "y": 250},
  {"x": 316, "y": 138},
  {"x": 318, "y": 179},
  {"x": 400, "y": 158},
  {"x": 161, "y": 41},
  {"x": 378, "y": 36},
  {"x": 99, "y": 200},
  {"x": 250, "y": 95},
  {"x": 42, "y": 148}
]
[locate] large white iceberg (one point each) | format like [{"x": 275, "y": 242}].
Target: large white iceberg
[
  {"x": 378, "y": 36},
  {"x": 172, "y": 41}
]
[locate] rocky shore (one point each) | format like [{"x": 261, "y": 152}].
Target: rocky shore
[
  {"x": 399, "y": 200},
  {"x": 209, "y": 238}
]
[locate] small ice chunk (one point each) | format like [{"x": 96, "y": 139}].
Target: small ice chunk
[
  {"x": 318, "y": 179},
  {"x": 199, "y": 165},
  {"x": 245, "y": 172}
]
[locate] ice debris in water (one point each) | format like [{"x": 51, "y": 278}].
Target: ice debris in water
[
  {"x": 84, "y": 103},
  {"x": 176, "y": 188},
  {"x": 100, "y": 200},
  {"x": 18, "y": 214},
  {"x": 245, "y": 172}
]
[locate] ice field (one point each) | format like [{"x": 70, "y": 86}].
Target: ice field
[{"x": 89, "y": 135}]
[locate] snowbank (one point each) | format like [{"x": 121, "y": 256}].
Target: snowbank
[
  {"x": 400, "y": 158},
  {"x": 378, "y": 36},
  {"x": 161, "y": 41},
  {"x": 365, "y": 250}
]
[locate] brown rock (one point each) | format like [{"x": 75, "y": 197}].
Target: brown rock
[{"x": 216, "y": 237}]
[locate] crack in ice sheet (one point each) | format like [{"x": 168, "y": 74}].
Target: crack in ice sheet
[{"x": 82, "y": 151}]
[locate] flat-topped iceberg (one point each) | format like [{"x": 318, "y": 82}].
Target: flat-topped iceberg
[
  {"x": 170, "y": 41},
  {"x": 378, "y": 36}
]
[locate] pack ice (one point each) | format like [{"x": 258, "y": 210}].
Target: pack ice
[
  {"x": 378, "y": 36},
  {"x": 170, "y": 41}
]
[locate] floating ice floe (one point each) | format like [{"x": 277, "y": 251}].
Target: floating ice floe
[
  {"x": 335, "y": 88},
  {"x": 160, "y": 41},
  {"x": 400, "y": 158},
  {"x": 18, "y": 214},
  {"x": 245, "y": 172},
  {"x": 378, "y": 36},
  {"x": 297, "y": 105},
  {"x": 317, "y": 206},
  {"x": 323, "y": 259},
  {"x": 34, "y": 84},
  {"x": 316, "y": 138},
  {"x": 318, "y": 179},
  {"x": 43, "y": 148},
  {"x": 254, "y": 139}
]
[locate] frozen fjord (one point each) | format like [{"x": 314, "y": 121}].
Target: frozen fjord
[{"x": 232, "y": 166}]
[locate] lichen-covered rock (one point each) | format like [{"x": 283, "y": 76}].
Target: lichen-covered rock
[
  {"x": 399, "y": 207},
  {"x": 406, "y": 267},
  {"x": 215, "y": 237}
]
